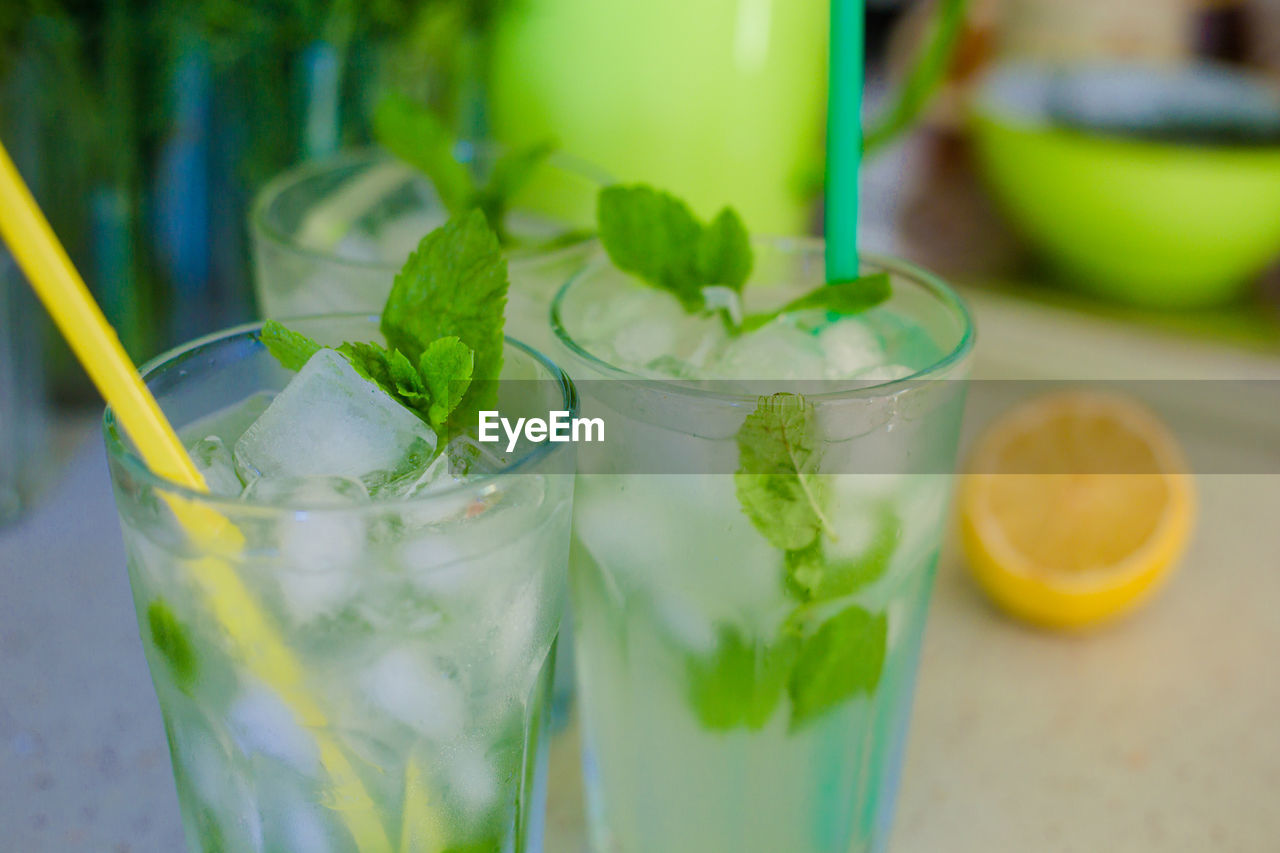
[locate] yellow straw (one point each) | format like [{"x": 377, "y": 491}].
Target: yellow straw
[{"x": 63, "y": 292}]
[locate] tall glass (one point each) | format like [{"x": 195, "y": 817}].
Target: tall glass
[
  {"x": 331, "y": 236},
  {"x": 727, "y": 705},
  {"x": 366, "y": 677}
]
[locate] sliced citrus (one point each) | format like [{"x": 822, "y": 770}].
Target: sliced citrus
[{"x": 1074, "y": 507}]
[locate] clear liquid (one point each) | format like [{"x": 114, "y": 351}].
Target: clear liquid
[
  {"x": 427, "y": 647},
  {"x": 658, "y": 779}
]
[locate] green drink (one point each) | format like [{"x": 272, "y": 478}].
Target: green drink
[
  {"x": 329, "y": 237},
  {"x": 352, "y": 634},
  {"x": 421, "y": 607},
  {"x": 721, "y": 98},
  {"x": 749, "y": 609}
]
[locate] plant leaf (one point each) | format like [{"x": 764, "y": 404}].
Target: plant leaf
[
  {"x": 742, "y": 683},
  {"x": 813, "y": 577},
  {"x": 454, "y": 285},
  {"x": 842, "y": 658},
  {"x": 724, "y": 252},
  {"x": 292, "y": 349},
  {"x": 655, "y": 236},
  {"x": 843, "y": 297},
  {"x": 445, "y": 367},
  {"x": 777, "y": 481}
]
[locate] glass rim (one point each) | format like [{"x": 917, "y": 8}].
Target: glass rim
[
  {"x": 939, "y": 289},
  {"x": 119, "y": 450},
  {"x": 261, "y": 227}
]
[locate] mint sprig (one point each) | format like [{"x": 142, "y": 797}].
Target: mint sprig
[
  {"x": 443, "y": 322},
  {"x": 842, "y": 297},
  {"x": 454, "y": 285},
  {"x": 842, "y": 658},
  {"x": 812, "y": 576},
  {"x": 818, "y": 659},
  {"x": 742, "y": 684},
  {"x": 777, "y": 481},
  {"x": 415, "y": 135},
  {"x": 656, "y": 237}
]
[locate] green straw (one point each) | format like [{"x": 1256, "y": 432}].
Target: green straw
[{"x": 844, "y": 139}]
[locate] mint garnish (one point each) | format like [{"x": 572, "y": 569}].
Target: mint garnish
[
  {"x": 843, "y": 297},
  {"x": 842, "y": 658},
  {"x": 777, "y": 481},
  {"x": 821, "y": 660},
  {"x": 454, "y": 285},
  {"x": 443, "y": 321},
  {"x": 741, "y": 684},
  {"x": 813, "y": 577},
  {"x": 291, "y": 349},
  {"x": 170, "y": 638},
  {"x": 655, "y": 236},
  {"x": 413, "y": 133}
]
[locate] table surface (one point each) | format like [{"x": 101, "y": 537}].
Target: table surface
[{"x": 1160, "y": 733}]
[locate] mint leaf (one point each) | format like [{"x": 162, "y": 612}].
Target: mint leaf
[
  {"x": 290, "y": 348},
  {"x": 724, "y": 252},
  {"x": 392, "y": 372},
  {"x": 170, "y": 638},
  {"x": 777, "y": 481},
  {"x": 413, "y": 133},
  {"x": 655, "y": 236},
  {"x": 742, "y": 683},
  {"x": 454, "y": 285},
  {"x": 844, "y": 297},
  {"x": 842, "y": 658},
  {"x": 445, "y": 367},
  {"x": 812, "y": 577}
]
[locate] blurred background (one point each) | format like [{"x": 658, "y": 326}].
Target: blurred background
[
  {"x": 1100, "y": 178},
  {"x": 1107, "y": 157}
]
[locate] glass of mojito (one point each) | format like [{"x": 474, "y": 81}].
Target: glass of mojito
[
  {"x": 330, "y": 236},
  {"x": 360, "y": 659},
  {"x": 755, "y": 541}
]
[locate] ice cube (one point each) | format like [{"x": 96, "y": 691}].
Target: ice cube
[
  {"x": 215, "y": 463},
  {"x": 219, "y": 784},
  {"x": 775, "y": 351},
  {"x": 307, "y": 492},
  {"x": 310, "y": 594},
  {"x": 469, "y": 459},
  {"x": 516, "y": 632},
  {"x": 260, "y": 722},
  {"x": 414, "y": 691},
  {"x": 321, "y": 546},
  {"x": 330, "y": 421},
  {"x": 849, "y": 345},
  {"x": 642, "y": 325},
  {"x": 884, "y": 373},
  {"x": 424, "y": 509},
  {"x": 471, "y": 777}
]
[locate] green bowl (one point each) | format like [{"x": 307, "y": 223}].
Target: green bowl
[{"x": 1142, "y": 221}]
